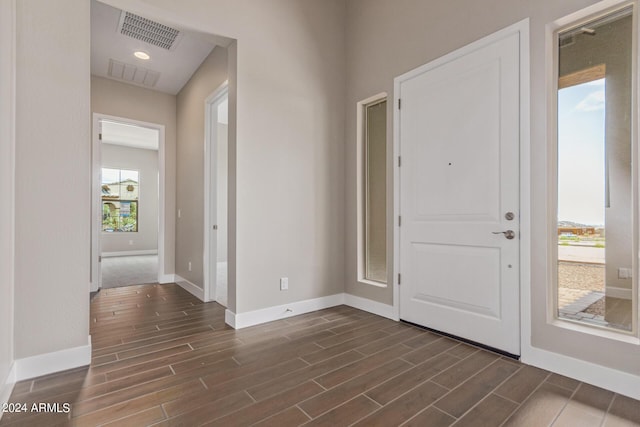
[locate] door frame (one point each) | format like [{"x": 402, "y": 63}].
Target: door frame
[
  {"x": 521, "y": 28},
  {"x": 96, "y": 199},
  {"x": 210, "y": 191}
]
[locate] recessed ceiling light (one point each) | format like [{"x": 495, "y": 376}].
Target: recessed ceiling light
[{"x": 141, "y": 55}]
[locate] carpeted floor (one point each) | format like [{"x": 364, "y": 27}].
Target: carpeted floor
[{"x": 129, "y": 270}]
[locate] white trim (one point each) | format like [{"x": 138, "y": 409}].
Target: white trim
[
  {"x": 230, "y": 318},
  {"x": 384, "y": 310},
  {"x": 210, "y": 143},
  {"x": 6, "y": 387},
  {"x": 192, "y": 288},
  {"x": 167, "y": 278},
  {"x": 622, "y": 293},
  {"x": 269, "y": 314},
  {"x": 129, "y": 253},
  {"x": 49, "y": 363},
  {"x": 522, "y": 28},
  {"x": 96, "y": 228},
  {"x": 600, "y": 376}
]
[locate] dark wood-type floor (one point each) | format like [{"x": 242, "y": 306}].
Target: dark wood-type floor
[{"x": 160, "y": 357}]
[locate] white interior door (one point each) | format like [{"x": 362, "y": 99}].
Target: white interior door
[
  {"x": 459, "y": 180},
  {"x": 216, "y": 203},
  {"x": 96, "y": 206}
]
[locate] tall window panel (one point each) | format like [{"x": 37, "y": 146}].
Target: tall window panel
[
  {"x": 375, "y": 191},
  {"x": 594, "y": 172}
]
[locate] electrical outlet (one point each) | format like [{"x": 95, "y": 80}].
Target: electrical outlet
[
  {"x": 189, "y": 265},
  {"x": 284, "y": 283},
  {"x": 130, "y": 242},
  {"x": 624, "y": 273}
]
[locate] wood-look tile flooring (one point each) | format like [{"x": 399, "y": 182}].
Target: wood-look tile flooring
[{"x": 160, "y": 357}]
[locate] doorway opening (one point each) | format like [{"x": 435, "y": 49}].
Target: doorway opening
[
  {"x": 216, "y": 195},
  {"x": 127, "y": 208}
]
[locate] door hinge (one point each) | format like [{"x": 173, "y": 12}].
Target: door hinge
[
  {"x": 100, "y": 136},
  {"x": 399, "y": 277},
  {"x": 399, "y": 161},
  {"x": 99, "y": 258},
  {"x": 399, "y": 221},
  {"x": 399, "y": 103}
]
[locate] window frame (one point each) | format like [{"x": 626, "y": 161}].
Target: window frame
[
  {"x": 553, "y": 86},
  {"x": 362, "y": 189},
  {"x": 136, "y": 201}
]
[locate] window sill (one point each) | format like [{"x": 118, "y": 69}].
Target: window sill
[
  {"x": 576, "y": 326},
  {"x": 372, "y": 283}
]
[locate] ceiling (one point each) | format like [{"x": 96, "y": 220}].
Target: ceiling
[{"x": 167, "y": 70}]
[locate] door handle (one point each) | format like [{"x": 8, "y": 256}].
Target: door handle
[{"x": 509, "y": 234}]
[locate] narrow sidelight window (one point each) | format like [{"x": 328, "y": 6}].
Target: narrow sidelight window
[
  {"x": 374, "y": 180},
  {"x": 595, "y": 208}
]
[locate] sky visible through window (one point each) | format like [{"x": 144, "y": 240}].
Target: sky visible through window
[{"x": 581, "y": 153}]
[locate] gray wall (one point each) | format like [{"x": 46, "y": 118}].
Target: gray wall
[
  {"x": 7, "y": 110},
  {"x": 122, "y": 100},
  {"x": 146, "y": 163},
  {"x": 53, "y": 145},
  {"x": 287, "y": 191},
  {"x": 190, "y": 161},
  {"x": 386, "y": 39}
]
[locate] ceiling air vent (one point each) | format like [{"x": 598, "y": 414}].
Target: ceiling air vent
[
  {"x": 132, "y": 73},
  {"x": 148, "y": 31}
]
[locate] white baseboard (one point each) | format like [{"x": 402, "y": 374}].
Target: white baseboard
[
  {"x": 384, "y": 310},
  {"x": 269, "y": 314},
  {"x": 614, "y": 292},
  {"x": 601, "y": 376},
  {"x": 190, "y": 287},
  {"x": 166, "y": 278},
  {"x": 129, "y": 253},
  {"x": 48, "y": 363},
  {"x": 6, "y": 387},
  {"x": 230, "y": 318}
]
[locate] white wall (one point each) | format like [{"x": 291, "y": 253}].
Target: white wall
[
  {"x": 7, "y": 148},
  {"x": 146, "y": 163},
  {"x": 122, "y": 100},
  {"x": 386, "y": 39},
  {"x": 190, "y": 159},
  {"x": 53, "y": 145}
]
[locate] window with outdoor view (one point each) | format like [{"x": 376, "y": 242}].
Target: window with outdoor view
[
  {"x": 594, "y": 172},
  {"x": 120, "y": 190}
]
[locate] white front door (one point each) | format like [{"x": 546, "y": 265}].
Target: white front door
[{"x": 459, "y": 189}]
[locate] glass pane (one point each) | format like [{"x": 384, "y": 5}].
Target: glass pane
[
  {"x": 376, "y": 192},
  {"x": 120, "y": 191},
  {"x": 594, "y": 173}
]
